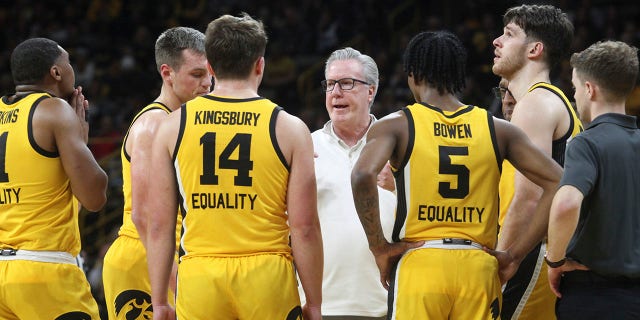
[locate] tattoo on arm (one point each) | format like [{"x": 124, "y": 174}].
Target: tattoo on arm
[{"x": 368, "y": 212}]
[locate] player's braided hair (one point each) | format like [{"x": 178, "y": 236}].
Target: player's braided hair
[{"x": 438, "y": 58}]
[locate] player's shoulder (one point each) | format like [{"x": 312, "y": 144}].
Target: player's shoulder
[
  {"x": 54, "y": 110},
  {"x": 393, "y": 122},
  {"x": 291, "y": 122},
  {"x": 53, "y": 102},
  {"x": 541, "y": 98}
]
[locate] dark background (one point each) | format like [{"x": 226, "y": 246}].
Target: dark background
[{"x": 111, "y": 48}]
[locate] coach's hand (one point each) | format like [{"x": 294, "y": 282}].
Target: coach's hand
[{"x": 555, "y": 274}]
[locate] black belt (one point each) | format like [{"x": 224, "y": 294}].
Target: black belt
[
  {"x": 7, "y": 252},
  {"x": 590, "y": 277},
  {"x": 457, "y": 241}
]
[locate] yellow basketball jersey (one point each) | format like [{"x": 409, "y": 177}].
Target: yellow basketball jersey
[
  {"x": 232, "y": 178},
  {"x": 558, "y": 148},
  {"x": 506, "y": 189},
  {"x": 128, "y": 228},
  {"x": 448, "y": 181},
  {"x": 36, "y": 202}
]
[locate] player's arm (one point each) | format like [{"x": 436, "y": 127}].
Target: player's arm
[
  {"x": 383, "y": 143},
  {"x": 138, "y": 146},
  {"x": 295, "y": 142},
  {"x": 538, "y": 122},
  {"x": 541, "y": 170},
  {"x": 70, "y": 134},
  {"x": 161, "y": 210}
]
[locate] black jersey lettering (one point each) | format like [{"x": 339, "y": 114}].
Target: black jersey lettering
[
  {"x": 457, "y": 131},
  {"x": 233, "y": 118},
  {"x": 223, "y": 201},
  {"x": 10, "y": 195},
  {"x": 9, "y": 116},
  {"x": 450, "y": 214}
]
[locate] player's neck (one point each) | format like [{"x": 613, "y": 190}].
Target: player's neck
[
  {"x": 169, "y": 98},
  {"x": 23, "y": 90},
  {"x": 523, "y": 79},
  {"x": 239, "y": 89},
  {"x": 446, "y": 102}
]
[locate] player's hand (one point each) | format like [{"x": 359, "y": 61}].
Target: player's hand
[
  {"x": 163, "y": 312},
  {"x": 311, "y": 313},
  {"x": 79, "y": 103},
  {"x": 81, "y": 106},
  {"x": 555, "y": 274},
  {"x": 506, "y": 263},
  {"x": 388, "y": 255}
]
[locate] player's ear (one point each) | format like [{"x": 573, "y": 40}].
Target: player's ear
[
  {"x": 259, "y": 66},
  {"x": 535, "y": 49},
  {"x": 165, "y": 72},
  {"x": 55, "y": 72}
]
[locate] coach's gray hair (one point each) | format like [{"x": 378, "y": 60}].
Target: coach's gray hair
[{"x": 369, "y": 67}]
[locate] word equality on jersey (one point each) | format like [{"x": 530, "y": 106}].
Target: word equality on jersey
[
  {"x": 10, "y": 195},
  {"x": 223, "y": 201},
  {"x": 450, "y": 214},
  {"x": 227, "y": 117}
]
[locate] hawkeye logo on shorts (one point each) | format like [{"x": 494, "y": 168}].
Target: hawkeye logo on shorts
[
  {"x": 495, "y": 309},
  {"x": 133, "y": 305},
  {"x": 76, "y": 315},
  {"x": 295, "y": 313}
]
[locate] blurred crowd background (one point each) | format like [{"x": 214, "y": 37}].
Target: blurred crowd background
[{"x": 111, "y": 47}]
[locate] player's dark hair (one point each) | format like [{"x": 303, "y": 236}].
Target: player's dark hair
[
  {"x": 547, "y": 24},
  {"x": 234, "y": 44},
  {"x": 438, "y": 58},
  {"x": 32, "y": 59}
]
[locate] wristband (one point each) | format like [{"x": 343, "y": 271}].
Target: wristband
[{"x": 555, "y": 264}]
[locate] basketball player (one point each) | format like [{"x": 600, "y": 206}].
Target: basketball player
[
  {"x": 446, "y": 156},
  {"x": 535, "y": 39},
  {"x": 241, "y": 170},
  {"x": 182, "y": 64},
  {"x": 45, "y": 165}
]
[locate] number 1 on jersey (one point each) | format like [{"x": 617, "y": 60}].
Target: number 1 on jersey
[{"x": 4, "y": 176}]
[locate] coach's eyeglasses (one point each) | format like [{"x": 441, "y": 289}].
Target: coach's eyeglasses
[
  {"x": 501, "y": 92},
  {"x": 344, "y": 84}
]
